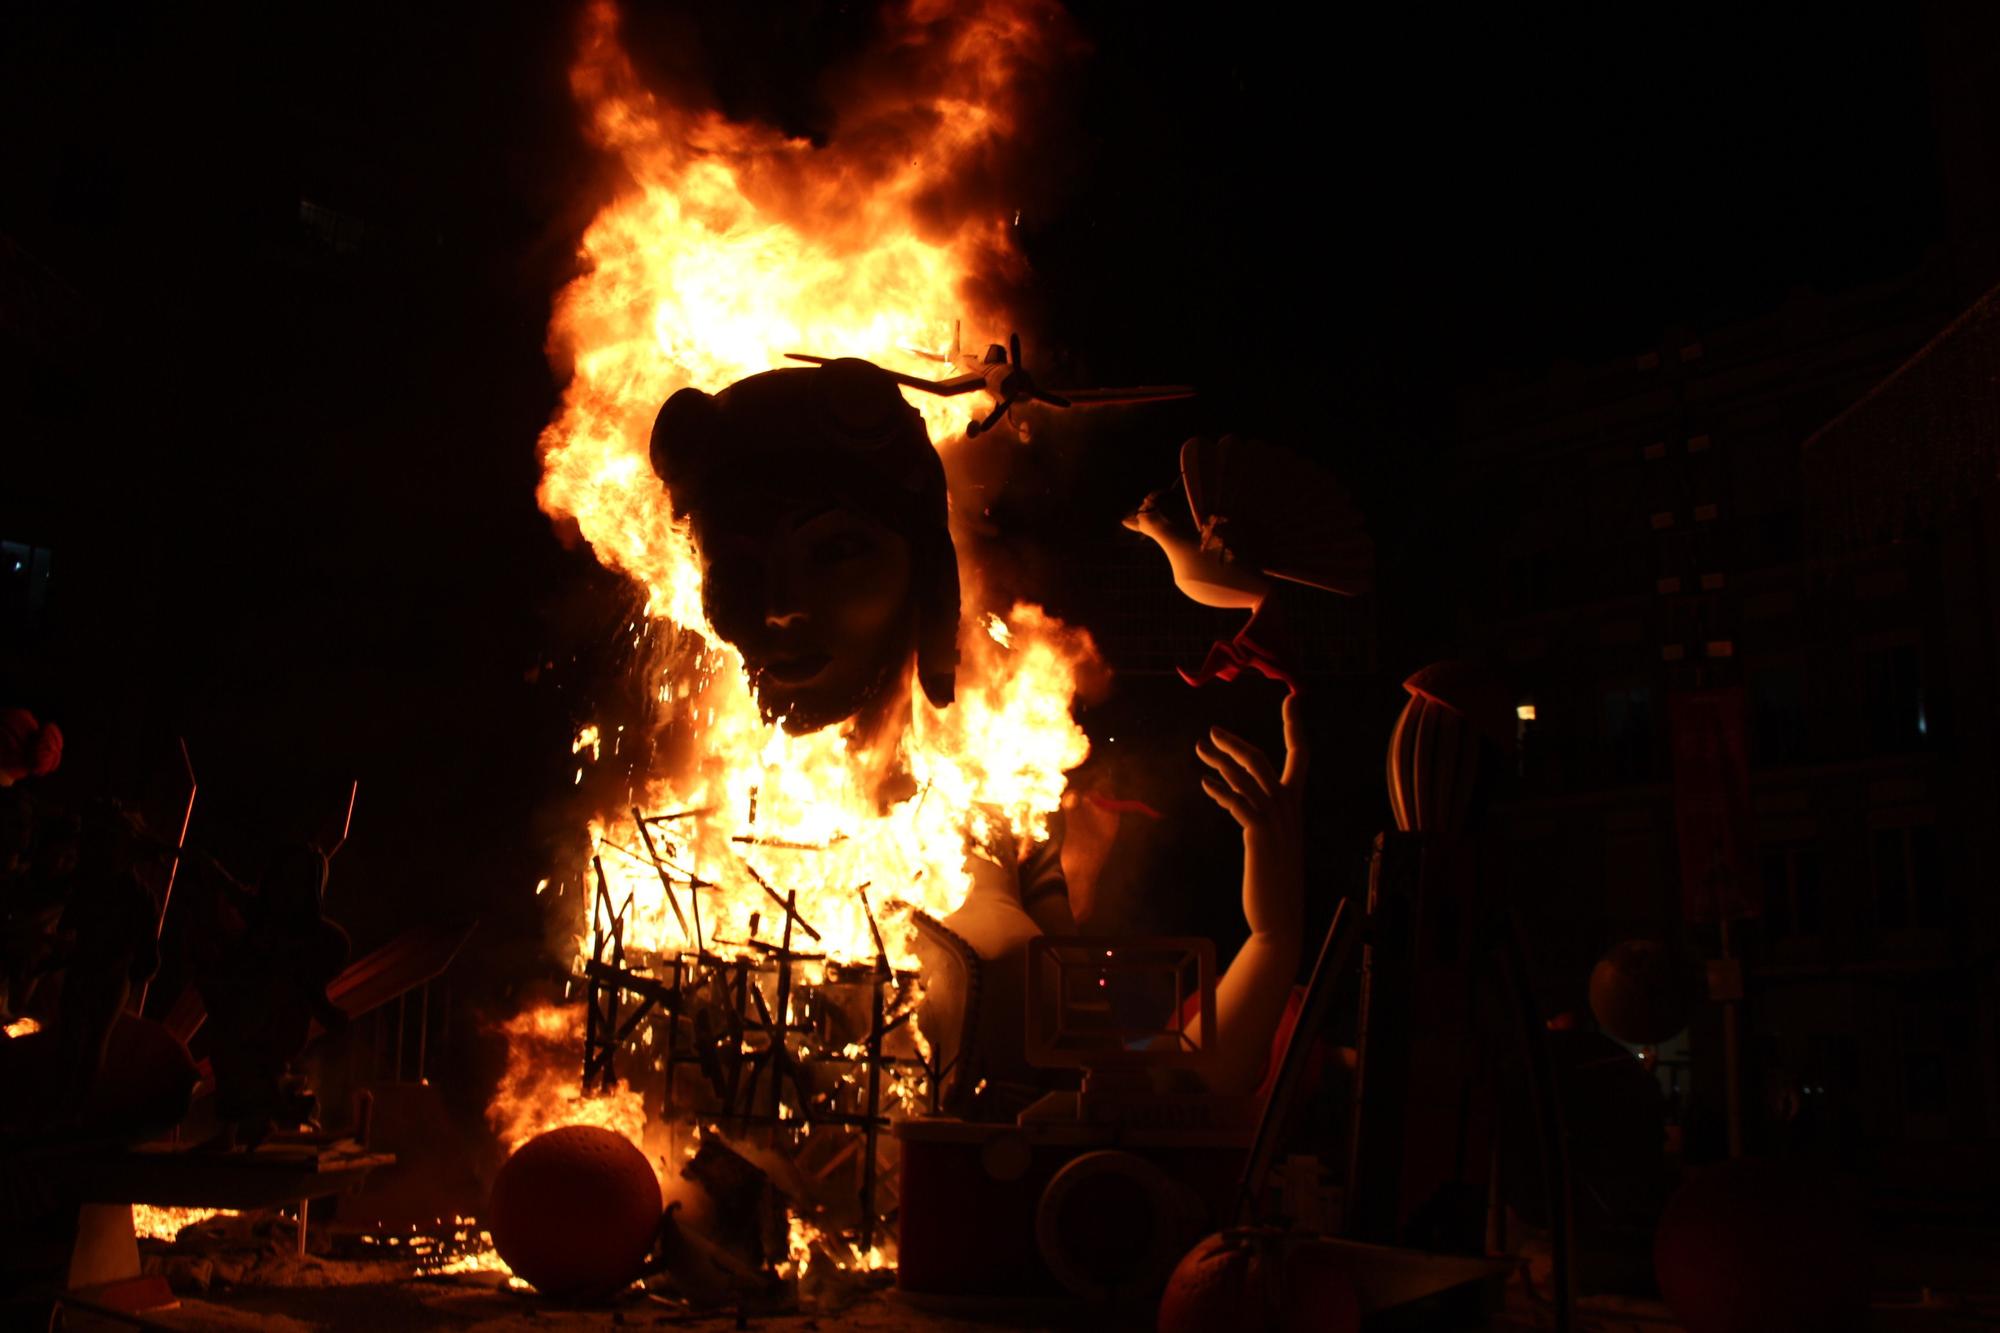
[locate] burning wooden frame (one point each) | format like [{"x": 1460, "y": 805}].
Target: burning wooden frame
[{"x": 798, "y": 1057}]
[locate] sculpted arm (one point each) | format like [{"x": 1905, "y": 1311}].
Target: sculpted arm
[{"x": 1266, "y": 802}]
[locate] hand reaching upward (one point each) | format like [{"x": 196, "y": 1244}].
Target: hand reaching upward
[{"x": 1267, "y": 803}]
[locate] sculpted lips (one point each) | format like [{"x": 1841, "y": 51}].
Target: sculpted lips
[{"x": 795, "y": 669}]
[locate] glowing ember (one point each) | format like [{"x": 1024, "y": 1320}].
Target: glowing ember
[
  {"x": 732, "y": 246},
  {"x": 151, "y": 1223},
  {"x": 807, "y": 1245},
  {"x": 486, "y": 1260},
  {"x": 470, "y": 1250}
]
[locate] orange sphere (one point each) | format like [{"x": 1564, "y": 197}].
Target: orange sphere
[
  {"x": 575, "y": 1211},
  {"x": 1764, "y": 1247},
  {"x": 1256, "y": 1280}
]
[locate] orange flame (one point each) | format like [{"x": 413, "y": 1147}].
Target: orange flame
[
  {"x": 153, "y": 1222},
  {"x": 542, "y": 1088},
  {"x": 731, "y": 246}
]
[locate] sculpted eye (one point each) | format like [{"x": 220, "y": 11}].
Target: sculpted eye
[
  {"x": 728, "y": 554},
  {"x": 838, "y": 547}
]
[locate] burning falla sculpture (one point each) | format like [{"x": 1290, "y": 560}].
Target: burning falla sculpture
[{"x": 818, "y": 509}]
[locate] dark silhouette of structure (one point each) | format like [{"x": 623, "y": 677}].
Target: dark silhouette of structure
[{"x": 1658, "y": 527}]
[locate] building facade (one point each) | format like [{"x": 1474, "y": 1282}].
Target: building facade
[{"x": 1651, "y": 534}]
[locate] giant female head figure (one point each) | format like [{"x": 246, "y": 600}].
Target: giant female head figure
[{"x": 818, "y": 506}]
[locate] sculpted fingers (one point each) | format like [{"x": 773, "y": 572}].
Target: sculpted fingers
[
  {"x": 1238, "y": 778},
  {"x": 1253, "y": 760},
  {"x": 1232, "y": 801},
  {"x": 1296, "y": 753}
]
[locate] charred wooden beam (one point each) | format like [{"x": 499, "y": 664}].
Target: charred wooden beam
[{"x": 666, "y": 884}]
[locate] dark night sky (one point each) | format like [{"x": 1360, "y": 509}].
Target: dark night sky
[{"x": 292, "y": 496}]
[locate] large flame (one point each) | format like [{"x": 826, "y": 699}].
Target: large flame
[
  {"x": 731, "y": 246},
  {"x": 727, "y": 246},
  {"x": 542, "y": 1088}
]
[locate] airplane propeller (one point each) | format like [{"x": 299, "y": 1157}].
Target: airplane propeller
[
  {"x": 1016, "y": 386},
  {"x": 978, "y": 428},
  {"x": 1001, "y": 374}
]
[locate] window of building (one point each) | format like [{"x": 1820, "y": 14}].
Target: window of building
[
  {"x": 1629, "y": 732},
  {"x": 1529, "y": 581},
  {"x": 1892, "y": 697},
  {"x": 1927, "y": 893},
  {"x": 1792, "y": 904},
  {"x": 1836, "y": 1061},
  {"x": 1778, "y": 716},
  {"x": 1892, "y": 890},
  {"x": 1926, "y": 1088},
  {"x": 1530, "y": 735},
  {"x": 339, "y": 232},
  {"x": 1909, "y": 877},
  {"x": 1776, "y": 537},
  {"x": 24, "y": 584}
]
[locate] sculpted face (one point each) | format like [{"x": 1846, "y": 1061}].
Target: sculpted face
[
  {"x": 819, "y": 600},
  {"x": 819, "y": 509}
]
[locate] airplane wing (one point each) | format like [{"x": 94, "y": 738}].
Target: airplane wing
[
  {"x": 1144, "y": 393},
  {"x": 950, "y": 388}
]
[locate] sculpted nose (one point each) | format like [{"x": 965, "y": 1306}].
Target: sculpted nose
[{"x": 782, "y": 609}]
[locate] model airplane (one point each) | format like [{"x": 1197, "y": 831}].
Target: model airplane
[{"x": 1001, "y": 374}]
